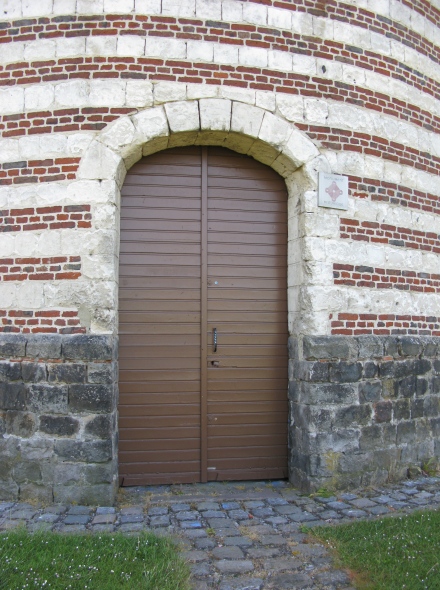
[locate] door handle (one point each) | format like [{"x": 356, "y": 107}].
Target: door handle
[{"x": 214, "y": 338}]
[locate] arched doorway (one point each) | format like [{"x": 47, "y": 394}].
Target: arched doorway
[{"x": 202, "y": 319}]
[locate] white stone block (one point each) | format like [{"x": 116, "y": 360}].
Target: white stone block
[
  {"x": 331, "y": 70},
  {"x": 101, "y": 45},
  {"x": 299, "y": 148},
  {"x": 8, "y": 295},
  {"x": 7, "y": 244},
  {"x": 107, "y": 93},
  {"x": 246, "y": 119},
  {"x": 291, "y": 106},
  {"x": 225, "y": 54},
  {"x": 324, "y": 28},
  {"x": 302, "y": 23},
  {"x": 78, "y": 143},
  {"x": 316, "y": 111},
  {"x": 99, "y": 162},
  {"x": 64, "y": 7},
  {"x": 304, "y": 64},
  {"x": 97, "y": 192},
  {"x": 168, "y": 91},
  {"x": 90, "y": 6},
  {"x": 151, "y": 124},
  {"x": 11, "y": 9},
  {"x": 200, "y": 51},
  {"x": 380, "y": 43},
  {"x": 9, "y": 150},
  {"x": 164, "y": 48},
  {"x": 118, "y": 133},
  {"x": 4, "y": 196},
  {"x": 255, "y": 13},
  {"x": 139, "y": 93},
  {"x": 265, "y": 100},
  {"x": 280, "y": 18},
  {"x": 119, "y": 6},
  {"x": 11, "y": 52},
  {"x": 274, "y": 131},
  {"x": 49, "y": 242},
  {"x": 29, "y": 147},
  {"x": 70, "y": 46},
  {"x": 182, "y": 8},
  {"x": 39, "y": 97},
  {"x": 148, "y": 6},
  {"x": 253, "y": 56},
  {"x": 240, "y": 94},
  {"x": 11, "y": 100},
  {"x": 43, "y": 49},
  {"x": 210, "y": 9},
  {"x": 195, "y": 91},
  {"x": 131, "y": 45},
  {"x": 53, "y": 144},
  {"x": 215, "y": 114},
  {"x": 232, "y": 11},
  {"x": 74, "y": 93},
  {"x": 26, "y": 243},
  {"x": 183, "y": 116},
  {"x": 32, "y": 8},
  {"x": 280, "y": 60}
]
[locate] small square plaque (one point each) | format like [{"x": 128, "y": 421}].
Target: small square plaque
[{"x": 333, "y": 191}]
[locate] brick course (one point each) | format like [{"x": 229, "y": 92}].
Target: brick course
[
  {"x": 48, "y": 170},
  {"x": 385, "y": 278},
  {"x": 50, "y": 321},
  {"x": 353, "y": 324},
  {"x": 40, "y": 218},
  {"x": 40, "y": 269},
  {"x": 384, "y": 233}
]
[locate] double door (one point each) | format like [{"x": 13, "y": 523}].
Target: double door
[{"x": 202, "y": 319}]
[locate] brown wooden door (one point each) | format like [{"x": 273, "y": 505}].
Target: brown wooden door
[{"x": 203, "y": 248}]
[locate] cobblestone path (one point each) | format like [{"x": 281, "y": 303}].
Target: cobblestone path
[{"x": 236, "y": 536}]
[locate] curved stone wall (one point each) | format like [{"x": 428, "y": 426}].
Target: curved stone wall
[{"x": 89, "y": 86}]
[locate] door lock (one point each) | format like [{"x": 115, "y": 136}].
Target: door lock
[{"x": 214, "y": 338}]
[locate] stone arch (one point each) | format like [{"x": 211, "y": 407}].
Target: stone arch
[{"x": 241, "y": 127}]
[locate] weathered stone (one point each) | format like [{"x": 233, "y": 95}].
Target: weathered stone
[
  {"x": 12, "y": 396},
  {"x": 410, "y": 346},
  {"x": 371, "y": 438},
  {"x": 59, "y": 425},
  {"x": 100, "y": 426},
  {"x": 89, "y": 452},
  {"x": 383, "y": 411},
  {"x": 101, "y": 373},
  {"x": 226, "y": 566},
  {"x": 406, "y": 433},
  {"x": 12, "y": 345},
  {"x": 352, "y": 416},
  {"x": 344, "y": 372},
  {"x": 20, "y": 423},
  {"x": 91, "y": 398},
  {"x": 67, "y": 373},
  {"x": 88, "y": 347},
  {"x": 44, "y": 346},
  {"x": 47, "y": 398},
  {"x": 33, "y": 372},
  {"x": 370, "y": 391},
  {"x": 9, "y": 371},
  {"x": 27, "y": 471},
  {"x": 329, "y": 347},
  {"x": 401, "y": 409},
  {"x": 92, "y": 494},
  {"x": 370, "y": 347}
]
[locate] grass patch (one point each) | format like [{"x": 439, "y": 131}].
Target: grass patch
[
  {"x": 90, "y": 562},
  {"x": 391, "y": 553}
]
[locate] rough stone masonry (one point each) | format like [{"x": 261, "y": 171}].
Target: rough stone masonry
[{"x": 88, "y": 87}]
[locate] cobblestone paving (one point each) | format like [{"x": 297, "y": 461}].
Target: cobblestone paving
[{"x": 236, "y": 536}]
